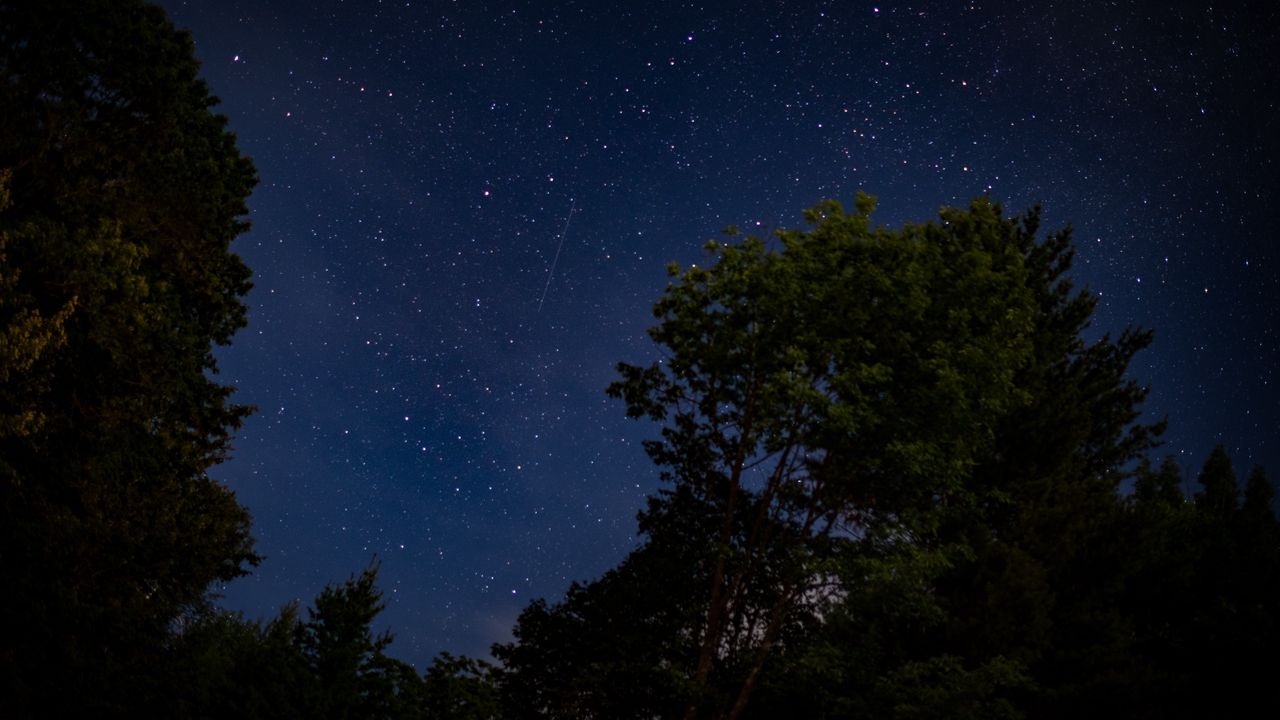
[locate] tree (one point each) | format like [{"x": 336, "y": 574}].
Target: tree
[
  {"x": 120, "y": 192},
  {"x": 330, "y": 665},
  {"x": 843, "y": 386},
  {"x": 1220, "y": 491},
  {"x": 1047, "y": 567},
  {"x": 1202, "y": 591},
  {"x": 1258, "y": 597},
  {"x": 1161, "y": 487},
  {"x": 356, "y": 679},
  {"x": 1259, "y": 497},
  {"x": 25, "y": 338},
  {"x": 460, "y": 688},
  {"x": 1004, "y": 609},
  {"x": 828, "y": 548},
  {"x": 618, "y": 647},
  {"x": 222, "y": 665}
]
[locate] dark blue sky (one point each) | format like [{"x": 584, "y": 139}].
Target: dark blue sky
[{"x": 420, "y": 160}]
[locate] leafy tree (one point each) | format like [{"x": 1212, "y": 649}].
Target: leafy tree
[
  {"x": 222, "y": 665},
  {"x": 120, "y": 192},
  {"x": 843, "y": 385},
  {"x": 460, "y": 688},
  {"x": 618, "y": 647},
  {"x": 356, "y": 679},
  {"x": 1005, "y": 607},
  {"x": 895, "y": 467},
  {"x": 25, "y": 338},
  {"x": 330, "y": 665}
]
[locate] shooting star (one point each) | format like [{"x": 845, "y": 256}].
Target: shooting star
[{"x": 573, "y": 205}]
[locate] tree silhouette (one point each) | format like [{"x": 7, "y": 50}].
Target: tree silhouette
[
  {"x": 1220, "y": 492},
  {"x": 119, "y": 195}
]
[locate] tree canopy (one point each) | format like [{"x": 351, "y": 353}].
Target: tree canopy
[
  {"x": 120, "y": 192},
  {"x": 843, "y": 385},
  {"x": 898, "y": 486}
]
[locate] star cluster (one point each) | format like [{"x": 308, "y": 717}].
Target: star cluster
[{"x": 429, "y": 392}]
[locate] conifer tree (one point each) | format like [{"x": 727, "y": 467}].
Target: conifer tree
[
  {"x": 1219, "y": 491},
  {"x": 1259, "y": 497}
]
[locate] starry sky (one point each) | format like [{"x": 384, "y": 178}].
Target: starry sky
[{"x": 466, "y": 208}]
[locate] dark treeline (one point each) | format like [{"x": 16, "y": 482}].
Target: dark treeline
[{"x": 898, "y": 481}]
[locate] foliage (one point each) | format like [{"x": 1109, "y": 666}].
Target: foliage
[
  {"x": 617, "y": 647},
  {"x": 119, "y": 195},
  {"x": 222, "y": 665},
  {"x": 1047, "y": 566},
  {"x": 841, "y": 387},
  {"x": 329, "y": 665},
  {"x": 460, "y": 688},
  {"x": 844, "y": 385},
  {"x": 1006, "y": 594},
  {"x": 897, "y": 488},
  {"x": 1219, "y": 490},
  {"x": 355, "y": 678}
]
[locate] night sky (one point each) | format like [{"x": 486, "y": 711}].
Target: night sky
[{"x": 431, "y": 393}]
